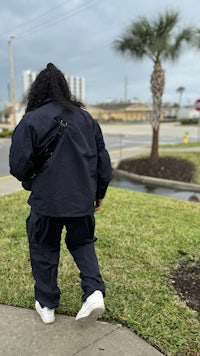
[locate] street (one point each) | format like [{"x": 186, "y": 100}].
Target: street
[{"x": 123, "y": 140}]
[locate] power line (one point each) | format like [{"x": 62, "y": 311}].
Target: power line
[
  {"x": 58, "y": 19},
  {"x": 35, "y": 18},
  {"x": 63, "y": 16}
]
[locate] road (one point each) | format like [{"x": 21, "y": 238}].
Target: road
[{"x": 123, "y": 140}]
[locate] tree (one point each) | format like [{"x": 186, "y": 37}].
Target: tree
[
  {"x": 157, "y": 41},
  {"x": 180, "y": 90}
]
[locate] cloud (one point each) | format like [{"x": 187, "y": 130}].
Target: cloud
[{"x": 77, "y": 36}]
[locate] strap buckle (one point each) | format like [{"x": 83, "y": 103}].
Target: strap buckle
[
  {"x": 63, "y": 123},
  {"x": 62, "y": 127}
]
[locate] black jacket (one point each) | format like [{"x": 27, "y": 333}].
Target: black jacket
[{"x": 77, "y": 173}]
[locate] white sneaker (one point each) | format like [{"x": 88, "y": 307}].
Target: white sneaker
[
  {"x": 92, "y": 308},
  {"x": 47, "y": 315}
]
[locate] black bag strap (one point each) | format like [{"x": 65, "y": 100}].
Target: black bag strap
[
  {"x": 52, "y": 145},
  {"x": 48, "y": 150}
]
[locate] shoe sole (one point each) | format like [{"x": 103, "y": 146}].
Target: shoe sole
[
  {"x": 93, "y": 316},
  {"x": 44, "y": 321}
]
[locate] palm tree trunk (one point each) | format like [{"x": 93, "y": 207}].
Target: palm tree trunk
[
  {"x": 157, "y": 87},
  {"x": 154, "y": 157}
]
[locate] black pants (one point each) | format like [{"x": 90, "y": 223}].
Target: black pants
[{"x": 44, "y": 235}]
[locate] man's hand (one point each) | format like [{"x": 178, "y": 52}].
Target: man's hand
[{"x": 98, "y": 205}]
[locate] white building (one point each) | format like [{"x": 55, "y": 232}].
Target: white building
[
  {"x": 28, "y": 78},
  {"x": 77, "y": 86},
  {"x": 188, "y": 113}
]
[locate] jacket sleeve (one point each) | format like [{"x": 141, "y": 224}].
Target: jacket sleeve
[
  {"x": 21, "y": 152},
  {"x": 104, "y": 169}
]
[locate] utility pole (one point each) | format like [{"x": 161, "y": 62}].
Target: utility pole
[
  {"x": 125, "y": 89},
  {"x": 12, "y": 82}
]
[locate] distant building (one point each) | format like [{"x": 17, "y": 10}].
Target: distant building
[
  {"x": 28, "y": 78},
  {"x": 174, "y": 111},
  {"x": 170, "y": 110},
  {"x": 188, "y": 113},
  {"x": 121, "y": 111},
  {"x": 77, "y": 86}
]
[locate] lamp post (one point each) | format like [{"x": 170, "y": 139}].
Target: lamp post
[{"x": 12, "y": 82}]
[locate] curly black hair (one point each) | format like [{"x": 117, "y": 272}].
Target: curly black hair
[{"x": 50, "y": 83}]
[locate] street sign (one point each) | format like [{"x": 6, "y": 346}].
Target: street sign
[{"x": 197, "y": 105}]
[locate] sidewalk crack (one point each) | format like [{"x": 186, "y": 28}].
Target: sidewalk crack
[{"x": 95, "y": 341}]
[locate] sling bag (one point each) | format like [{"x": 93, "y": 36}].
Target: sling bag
[{"x": 46, "y": 152}]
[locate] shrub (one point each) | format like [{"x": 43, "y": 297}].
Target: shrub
[
  {"x": 6, "y": 132},
  {"x": 192, "y": 121}
]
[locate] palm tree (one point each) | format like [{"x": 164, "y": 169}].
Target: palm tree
[
  {"x": 180, "y": 90},
  {"x": 157, "y": 41}
]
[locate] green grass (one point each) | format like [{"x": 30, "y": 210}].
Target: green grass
[
  {"x": 141, "y": 240},
  {"x": 180, "y": 145}
]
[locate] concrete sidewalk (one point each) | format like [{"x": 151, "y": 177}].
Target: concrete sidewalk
[
  {"x": 24, "y": 334},
  {"x": 9, "y": 184}
]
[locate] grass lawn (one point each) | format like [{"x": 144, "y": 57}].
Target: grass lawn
[
  {"x": 180, "y": 145},
  {"x": 141, "y": 240}
]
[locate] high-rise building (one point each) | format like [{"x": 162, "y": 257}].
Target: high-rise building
[
  {"x": 76, "y": 84},
  {"x": 28, "y": 78}
]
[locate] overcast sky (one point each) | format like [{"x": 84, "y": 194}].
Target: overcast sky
[{"x": 78, "y": 35}]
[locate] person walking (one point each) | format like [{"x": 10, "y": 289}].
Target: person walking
[{"x": 66, "y": 190}]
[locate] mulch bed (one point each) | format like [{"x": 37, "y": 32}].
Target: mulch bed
[
  {"x": 186, "y": 281},
  {"x": 167, "y": 168}
]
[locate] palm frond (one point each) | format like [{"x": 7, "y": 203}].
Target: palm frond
[
  {"x": 176, "y": 44},
  {"x": 153, "y": 39},
  {"x": 196, "y": 39},
  {"x": 131, "y": 47},
  {"x": 164, "y": 24},
  {"x": 137, "y": 40}
]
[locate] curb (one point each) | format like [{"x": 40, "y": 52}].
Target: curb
[{"x": 184, "y": 186}]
